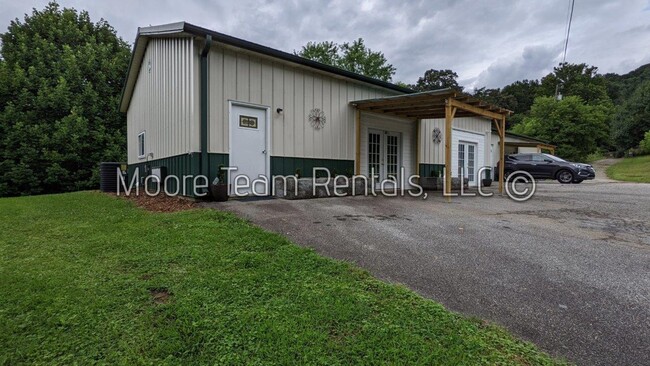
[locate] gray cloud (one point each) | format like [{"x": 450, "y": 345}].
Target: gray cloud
[
  {"x": 487, "y": 43},
  {"x": 534, "y": 62}
]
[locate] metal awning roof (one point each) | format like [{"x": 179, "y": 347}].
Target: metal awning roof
[{"x": 431, "y": 104}]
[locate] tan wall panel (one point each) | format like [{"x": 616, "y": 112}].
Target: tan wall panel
[
  {"x": 405, "y": 127},
  {"x": 244, "y": 77},
  {"x": 165, "y": 101},
  {"x": 432, "y": 153}
]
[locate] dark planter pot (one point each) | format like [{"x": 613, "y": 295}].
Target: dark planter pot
[
  {"x": 219, "y": 192},
  {"x": 429, "y": 183},
  {"x": 487, "y": 182}
]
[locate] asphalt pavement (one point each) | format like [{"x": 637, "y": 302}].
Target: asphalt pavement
[{"x": 568, "y": 270}]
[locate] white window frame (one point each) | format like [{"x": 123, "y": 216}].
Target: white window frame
[{"x": 142, "y": 148}]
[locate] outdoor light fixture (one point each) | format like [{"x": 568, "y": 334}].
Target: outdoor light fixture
[{"x": 279, "y": 110}]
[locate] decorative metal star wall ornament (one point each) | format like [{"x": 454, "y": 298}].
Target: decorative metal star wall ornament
[
  {"x": 437, "y": 135},
  {"x": 317, "y": 118}
]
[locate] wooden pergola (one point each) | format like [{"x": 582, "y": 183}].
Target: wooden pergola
[{"x": 443, "y": 103}]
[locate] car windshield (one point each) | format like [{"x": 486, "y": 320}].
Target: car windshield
[{"x": 555, "y": 158}]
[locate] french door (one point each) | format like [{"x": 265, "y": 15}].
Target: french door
[
  {"x": 467, "y": 160},
  {"x": 384, "y": 155}
]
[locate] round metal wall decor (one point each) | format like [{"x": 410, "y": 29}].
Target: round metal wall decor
[
  {"x": 437, "y": 135},
  {"x": 317, "y": 118}
]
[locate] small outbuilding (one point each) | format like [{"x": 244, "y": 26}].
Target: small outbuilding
[{"x": 197, "y": 100}]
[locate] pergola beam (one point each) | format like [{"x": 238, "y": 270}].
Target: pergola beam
[
  {"x": 474, "y": 109},
  {"x": 410, "y": 106},
  {"x": 446, "y": 104},
  {"x": 366, "y": 104},
  {"x": 440, "y": 114}
]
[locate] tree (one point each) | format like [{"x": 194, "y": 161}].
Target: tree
[
  {"x": 354, "y": 57},
  {"x": 632, "y": 119},
  {"x": 577, "y": 128},
  {"x": 621, "y": 87},
  {"x": 496, "y": 97},
  {"x": 576, "y": 79},
  {"x": 523, "y": 92},
  {"x": 323, "y": 52},
  {"x": 644, "y": 145},
  {"x": 60, "y": 82},
  {"x": 437, "y": 79}
]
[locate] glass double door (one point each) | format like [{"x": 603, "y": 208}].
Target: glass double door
[
  {"x": 384, "y": 155},
  {"x": 467, "y": 160}
]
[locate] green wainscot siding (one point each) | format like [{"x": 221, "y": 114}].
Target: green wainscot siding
[
  {"x": 285, "y": 166},
  {"x": 179, "y": 166},
  {"x": 431, "y": 170}
]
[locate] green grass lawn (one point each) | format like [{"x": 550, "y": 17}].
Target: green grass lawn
[
  {"x": 635, "y": 169},
  {"x": 82, "y": 275}
]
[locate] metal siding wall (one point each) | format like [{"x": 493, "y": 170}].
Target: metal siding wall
[
  {"x": 432, "y": 153},
  {"x": 247, "y": 78},
  {"x": 405, "y": 127},
  {"x": 165, "y": 101},
  {"x": 477, "y": 138}
]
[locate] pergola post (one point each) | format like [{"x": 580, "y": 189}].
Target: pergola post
[
  {"x": 418, "y": 145},
  {"x": 357, "y": 145},
  {"x": 449, "y": 117},
  {"x": 502, "y": 152},
  {"x": 434, "y": 105}
]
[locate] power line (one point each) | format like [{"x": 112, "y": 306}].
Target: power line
[
  {"x": 568, "y": 30},
  {"x": 558, "y": 96}
]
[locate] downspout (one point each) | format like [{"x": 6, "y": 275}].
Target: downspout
[{"x": 204, "y": 168}]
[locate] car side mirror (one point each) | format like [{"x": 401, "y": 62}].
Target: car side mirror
[{"x": 548, "y": 160}]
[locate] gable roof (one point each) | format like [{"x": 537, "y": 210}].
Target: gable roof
[{"x": 184, "y": 29}]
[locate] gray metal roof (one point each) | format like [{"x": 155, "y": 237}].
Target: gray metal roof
[{"x": 184, "y": 29}]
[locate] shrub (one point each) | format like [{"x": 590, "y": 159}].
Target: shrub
[
  {"x": 644, "y": 145},
  {"x": 596, "y": 155}
]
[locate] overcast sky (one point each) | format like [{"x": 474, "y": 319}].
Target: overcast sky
[{"x": 488, "y": 43}]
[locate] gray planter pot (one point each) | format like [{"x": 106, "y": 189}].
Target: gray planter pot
[{"x": 437, "y": 184}]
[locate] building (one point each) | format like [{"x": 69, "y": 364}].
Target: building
[{"x": 197, "y": 100}]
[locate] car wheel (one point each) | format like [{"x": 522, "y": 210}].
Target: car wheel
[{"x": 564, "y": 177}]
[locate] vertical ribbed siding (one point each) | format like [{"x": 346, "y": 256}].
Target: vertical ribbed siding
[
  {"x": 165, "y": 100},
  {"x": 406, "y": 129},
  {"x": 432, "y": 153},
  {"x": 242, "y": 77}
]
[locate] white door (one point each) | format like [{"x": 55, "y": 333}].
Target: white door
[
  {"x": 467, "y": 160},
  {"x": 248, "y": 146},
  {"x": 384, "y": 155}
]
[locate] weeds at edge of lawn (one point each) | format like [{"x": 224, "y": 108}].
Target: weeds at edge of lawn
[
  {"x": 82, "y": 271},
  {"x": 635, "y": 169}
]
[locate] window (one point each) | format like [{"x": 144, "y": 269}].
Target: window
[
  {"x": 539, "y": 157},
  {"x": 553, "y": 157},
  {"x": 141, "y": 152},
  {"x": 461, "y": 159}
]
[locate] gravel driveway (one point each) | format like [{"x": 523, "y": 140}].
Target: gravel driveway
[{"x": 568, "y": 270}]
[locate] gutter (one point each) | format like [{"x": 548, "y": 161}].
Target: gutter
[{"x": 204, "y": 168}]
